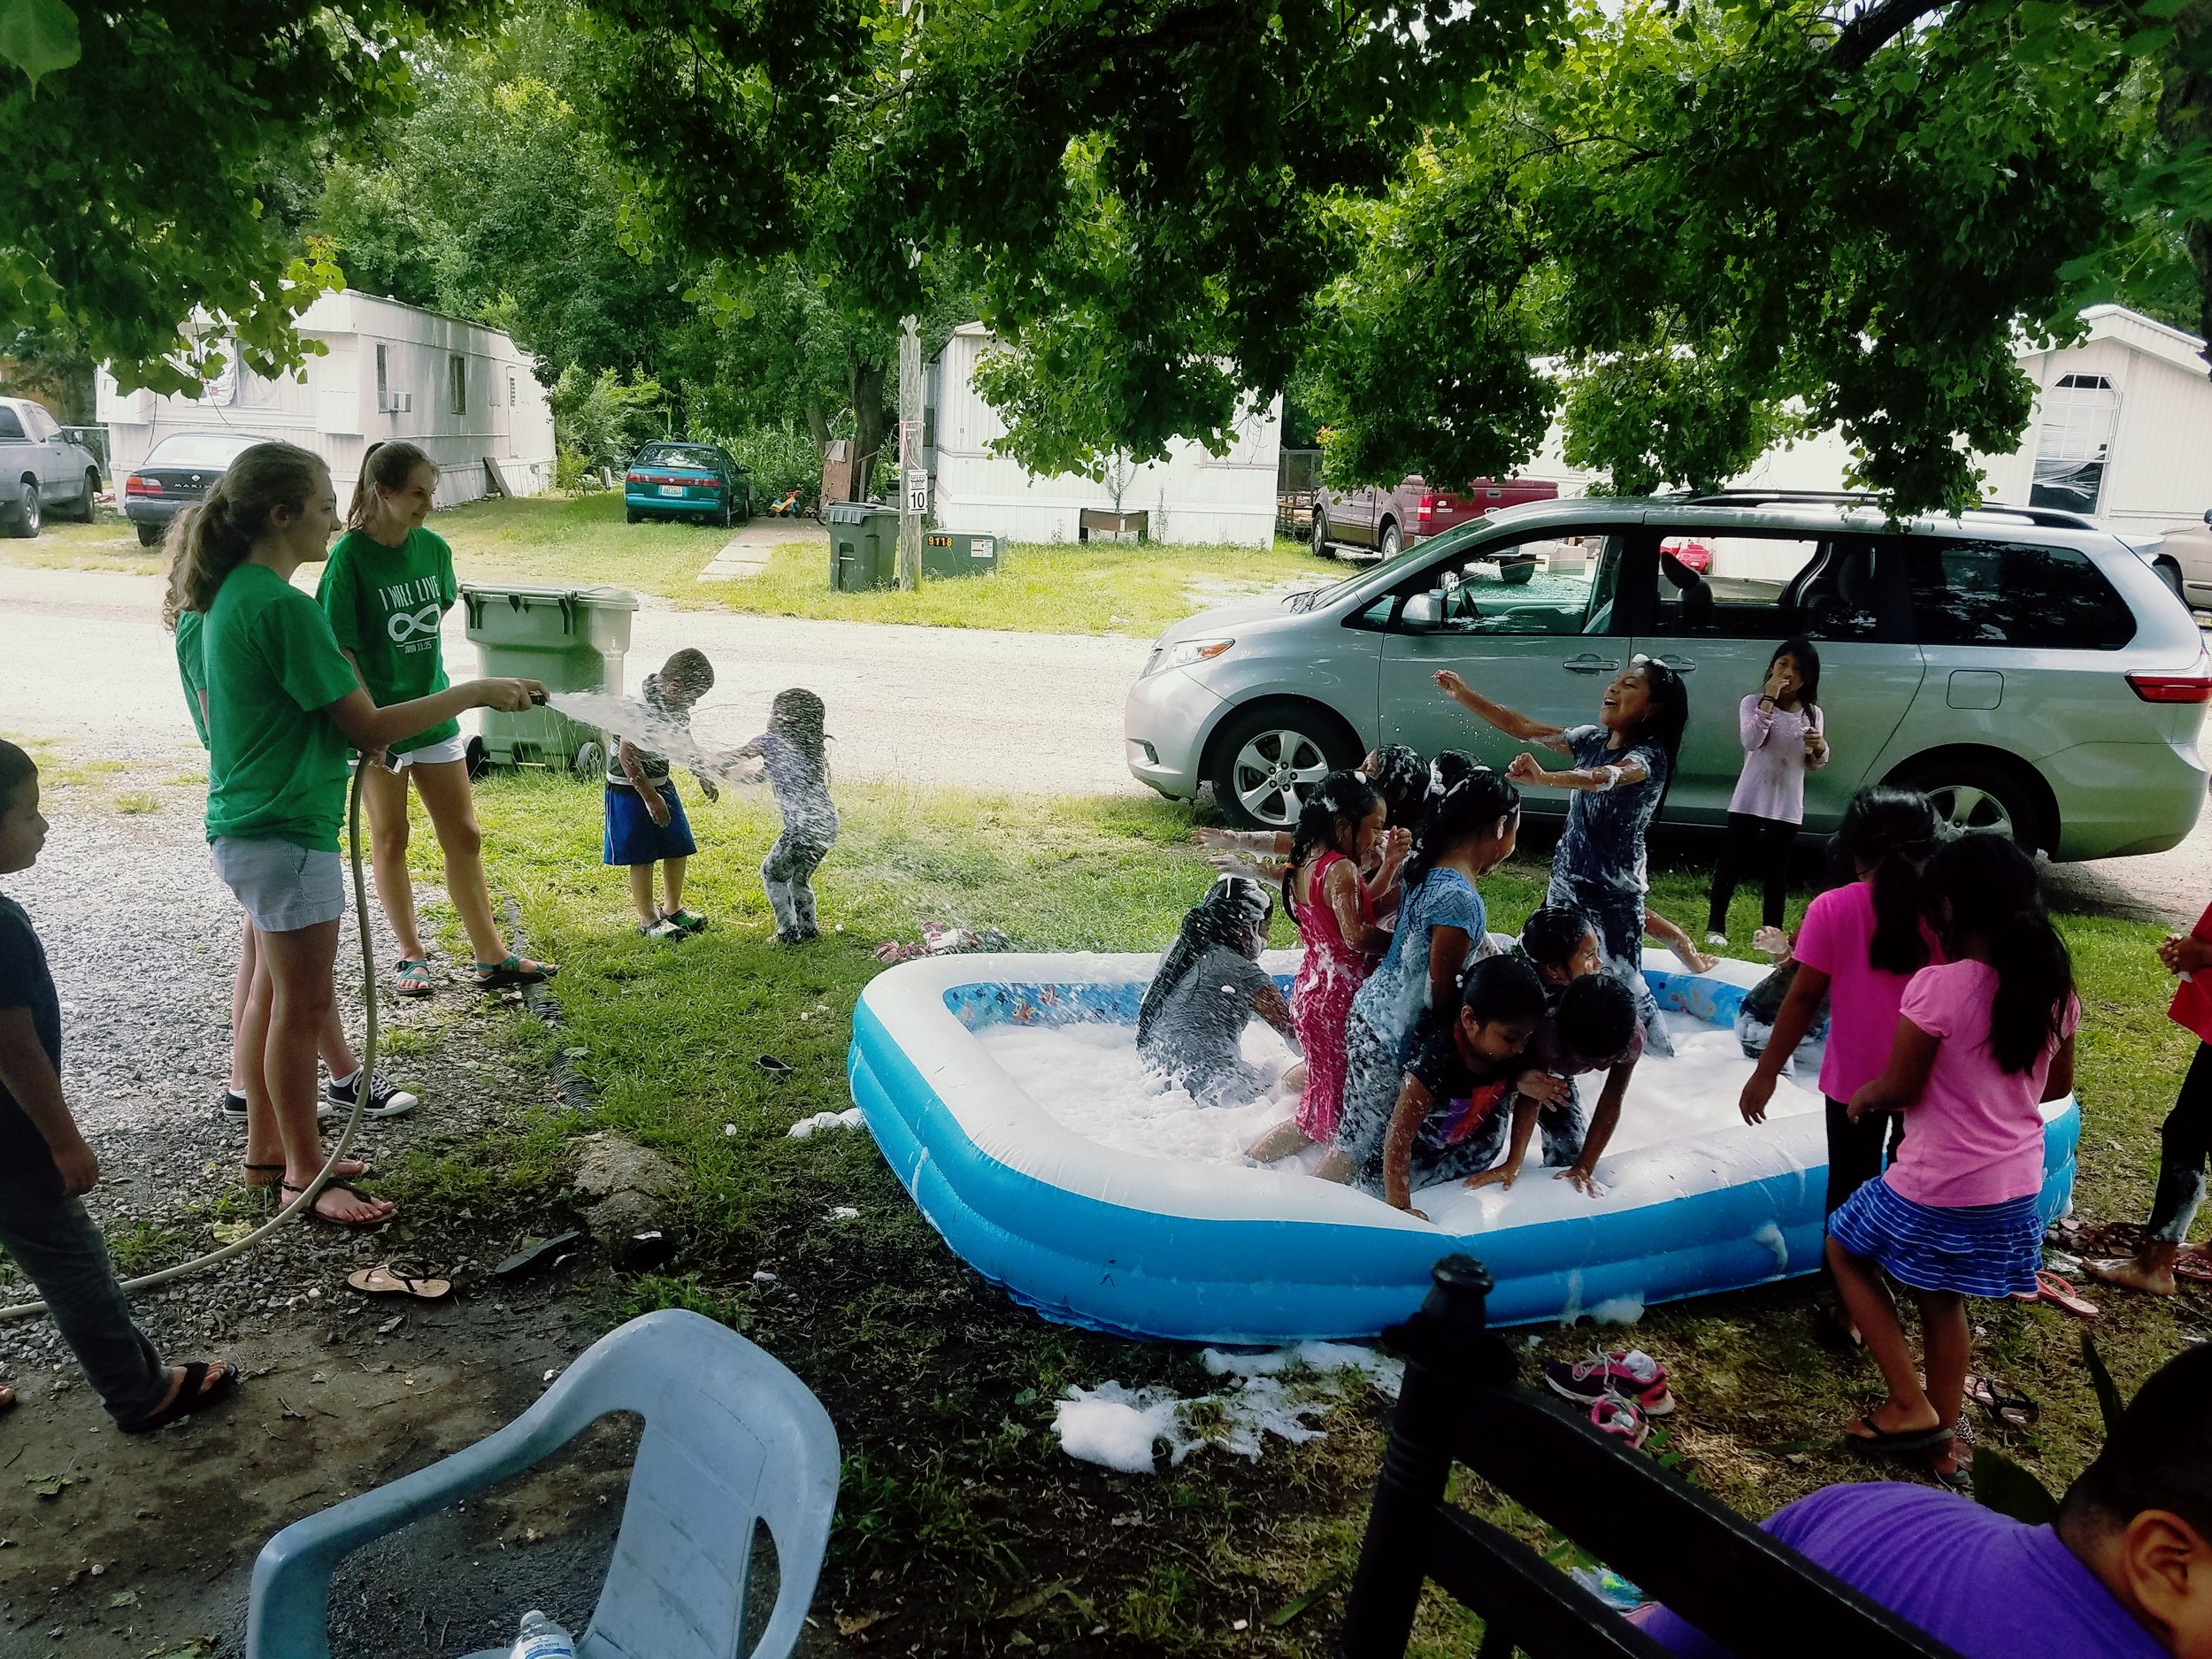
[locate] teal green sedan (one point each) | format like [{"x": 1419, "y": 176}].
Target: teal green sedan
[{"x": 672, "y": 479}]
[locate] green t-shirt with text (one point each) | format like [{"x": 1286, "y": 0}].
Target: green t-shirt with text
[
  {"x": 276, "y": 767},
  {"x": 384, "y": 604}
]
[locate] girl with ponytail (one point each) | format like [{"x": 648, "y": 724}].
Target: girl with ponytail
[
  {"x": 386, "y": 590},
  {"x": 1339, "y": 834},
  {"x": 1982, "y": 1040},
  {"x": 283, "y": 708}
]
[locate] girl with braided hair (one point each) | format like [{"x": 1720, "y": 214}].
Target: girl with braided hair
[{"x": 1209, "y": 987}]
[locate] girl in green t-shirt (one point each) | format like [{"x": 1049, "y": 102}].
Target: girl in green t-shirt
[
  {"x": 283, "y": 705},
  {"x": 389, "y": 583}
]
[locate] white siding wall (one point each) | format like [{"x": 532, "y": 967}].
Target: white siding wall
[
  {"x": 335, "y": 411},
  {"x": 1193, "y": 496}
]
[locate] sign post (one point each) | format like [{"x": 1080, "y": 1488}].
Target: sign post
[{"x": 913, "y": 479}]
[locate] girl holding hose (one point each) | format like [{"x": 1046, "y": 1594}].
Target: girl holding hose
[
  {"x": 387, "y": 583},
  {"x": 283, "y": 706}
]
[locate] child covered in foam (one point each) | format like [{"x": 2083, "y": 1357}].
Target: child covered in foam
[{"x": 1209, "y": 986}]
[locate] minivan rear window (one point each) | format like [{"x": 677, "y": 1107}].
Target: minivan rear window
[{"x": 2015, "y": 594}]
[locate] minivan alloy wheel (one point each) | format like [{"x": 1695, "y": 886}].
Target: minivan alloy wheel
[
  {"x": 1964, "y": 806},
  {"x": 1274, "y": 773}
]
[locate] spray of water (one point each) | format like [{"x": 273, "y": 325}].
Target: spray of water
[{"x": 654, "y": 731}]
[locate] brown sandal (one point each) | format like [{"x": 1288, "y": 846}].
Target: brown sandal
[
  {"x": 334, "y": 1186},
  {"x": 361, "y": 1170}
]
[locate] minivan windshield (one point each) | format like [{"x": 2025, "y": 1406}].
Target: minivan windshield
[{"x": 1382, "y": 572}]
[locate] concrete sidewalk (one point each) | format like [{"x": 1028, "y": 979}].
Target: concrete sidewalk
[{"x": 746, "y": 553}]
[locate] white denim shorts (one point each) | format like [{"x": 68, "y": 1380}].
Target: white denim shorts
[
  {"x": 283, "y": 887},
  {"x": 454, "y": 747}
]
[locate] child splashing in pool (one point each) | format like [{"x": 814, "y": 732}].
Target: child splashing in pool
[
  {"x": 1209, "y": 987},
  {"x": 1619, "y": 780},
  {"x": 1457, "y": 1072},
  {"x": 1339, "y": 834},
  {"x": 1400, "y": 777},
  {"x": 645, "y": 817},
  {"x": 1982, "y": 1041},
  {"x": 795, "y": 752}
]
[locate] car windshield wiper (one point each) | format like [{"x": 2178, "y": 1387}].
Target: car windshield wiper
[{"x": 1303, "y": 601}]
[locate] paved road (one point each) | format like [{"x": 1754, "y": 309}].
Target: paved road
[{"x": 83, "y": 658}]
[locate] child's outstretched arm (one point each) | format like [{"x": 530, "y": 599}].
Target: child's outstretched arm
[
  {"x": 1801, "y": 1006},
  {"x": 1524, "y": 769},
  {"x": 1674, "y": 938},
  {"x": 1384, "y": 887},
  {"x": 1512, "y": 722},
  {"x": 1268, "y": 1002},
  {"x": 634, "y": 769},
  {"x": 29, "y": 1076},
  {"x": 1413, "y": 1105},
  {"x": 1532, "y": 1091},
  {"x": 369, "y": 728},
  {"x": 1911, "y": 1057},
  {"x": 1604, "y": 1119}
]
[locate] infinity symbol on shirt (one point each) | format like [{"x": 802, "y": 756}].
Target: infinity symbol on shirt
[{"x": 404, "y": 625}]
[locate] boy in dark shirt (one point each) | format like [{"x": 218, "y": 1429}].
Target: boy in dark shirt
[
  {"x": 1592, "y": 1026},
  {"x": 46, "y": 1167},
  {"x": 1455, "y": 1075}
]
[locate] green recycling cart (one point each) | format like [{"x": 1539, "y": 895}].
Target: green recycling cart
[
  {"x": 571, "y": 639},
  {"x": 864, "y": 546}
]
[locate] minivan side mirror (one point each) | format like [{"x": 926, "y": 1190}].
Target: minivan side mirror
[
  {"x": 1423, "y": 611},
  {"x": 2207, "y": 515}
]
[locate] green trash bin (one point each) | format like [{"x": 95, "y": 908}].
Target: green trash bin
[
  {"x": 864, "y": 546},
  {"x": 571, "y": 639},
  {"x": 958, "y": 553}
]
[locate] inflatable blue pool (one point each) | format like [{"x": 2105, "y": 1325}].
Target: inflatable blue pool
[{"x": 954, "y": 1066}]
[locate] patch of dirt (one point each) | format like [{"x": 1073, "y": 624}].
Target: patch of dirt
[{"x": 148, "y": 1544}]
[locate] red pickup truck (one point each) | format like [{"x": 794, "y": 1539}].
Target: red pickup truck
[{"x": 1385, "y": 522}]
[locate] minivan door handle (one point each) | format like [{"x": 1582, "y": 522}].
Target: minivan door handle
[
  {"x": 1680, "y": 664},
  {"x": 1590, "y": 663}
]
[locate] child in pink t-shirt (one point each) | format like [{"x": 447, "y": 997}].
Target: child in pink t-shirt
[
  {"x": 1982, "y": 1041},
  {"x": 1858, "y": 946}
]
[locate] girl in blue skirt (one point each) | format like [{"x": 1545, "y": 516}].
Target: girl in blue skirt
[
  {"x": 645, "y": 818},
  {"x": 1982, "y": 1041}
]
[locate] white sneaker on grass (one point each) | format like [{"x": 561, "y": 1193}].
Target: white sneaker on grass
[{"x": 384, "y": 1101}]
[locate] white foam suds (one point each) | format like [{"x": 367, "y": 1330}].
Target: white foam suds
[
  {"x": 1088, "y": 1077},
  {"x": 1618, "y": 1311},
  {"x": 657, "y": 733},
  {"x": 1770, "y": 1235},
  {"x": 850, "y": 1118},
  {"x": 1274, "y": 1391}
]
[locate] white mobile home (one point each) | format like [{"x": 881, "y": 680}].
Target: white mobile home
[
  {"x": 466, "y": 394},
  {"x": 2122, "y": 431},
  {"x": 1192, "y": 497}
]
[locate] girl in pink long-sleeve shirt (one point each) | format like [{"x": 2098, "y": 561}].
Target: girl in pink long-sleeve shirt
[{"x": 1783, "y": 739}]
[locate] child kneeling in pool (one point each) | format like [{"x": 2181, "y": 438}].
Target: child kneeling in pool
[
  {"x": 1417, "y": 1125},
  {"x": 1209, "y": 987}
]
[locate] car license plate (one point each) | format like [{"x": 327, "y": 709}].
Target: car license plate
[{"x": 671, "y": 490}]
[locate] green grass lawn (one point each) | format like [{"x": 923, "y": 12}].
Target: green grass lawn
[
  {"x": 960, "y": 1527},
  {"x": 1093, "y": 587}
]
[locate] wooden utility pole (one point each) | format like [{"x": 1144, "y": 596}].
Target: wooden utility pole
[{"x": 913, "y": 477}]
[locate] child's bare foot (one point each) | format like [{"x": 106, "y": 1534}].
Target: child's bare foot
[
  {"x": 342, "y": 1205},
  {"x": 2154, "y": 1275},
  {"x": 191, "y": 1388}
]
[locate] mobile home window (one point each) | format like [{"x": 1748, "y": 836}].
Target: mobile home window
[
  {"x": 510, "y": 391},
  {"x": 383, "y": 382},
  {"x": 2074, "y": 446},
  {"x": 457, "y": 370}
]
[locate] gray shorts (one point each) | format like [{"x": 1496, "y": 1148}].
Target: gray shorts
[{"x": 283, "y": 887}]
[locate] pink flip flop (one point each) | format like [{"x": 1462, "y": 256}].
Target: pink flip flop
[{"x": 2060, "y": 1293}]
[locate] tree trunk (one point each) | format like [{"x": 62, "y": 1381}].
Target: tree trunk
[
  {"x": 817, "y": 422},
  {"x": 866, "y": 380},
  {"x": 2184, "y": 115}
]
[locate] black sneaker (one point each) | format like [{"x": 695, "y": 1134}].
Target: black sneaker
[
  {"x": 384, "y": 1100},
  {"x": 233, "y": 1106}
]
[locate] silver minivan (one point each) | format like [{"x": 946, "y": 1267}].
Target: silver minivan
[{"x": 2023, "y": 667}]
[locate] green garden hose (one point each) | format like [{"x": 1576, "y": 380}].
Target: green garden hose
[{"x": 24, "y": 1310}]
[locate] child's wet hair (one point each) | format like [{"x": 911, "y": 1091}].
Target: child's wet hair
[
  {"x": 1891, "y": 832},
  {"x": 1983, "y": 884},
  {"x": 2158, "y": 1456},
  {"x": 208, "y": 541},
  {"x": 1339, "y": 802},
  {"x": 1233, "y": 910},
  {"x": 1666, "y": 717},
  {"x": 1597, "y": 1018},
  {"x": 1453, "y": 766},
  {"x": 1502, "y": 989},
  {"x": 686, "y": 673},
  {"x": 391, "y": 463},
  {"x": 1402, "y": 779},
  {"x": 17, "y": 769},
  {"x": 1551, "y": 937},
  {"x": 1470, "y": 808}
]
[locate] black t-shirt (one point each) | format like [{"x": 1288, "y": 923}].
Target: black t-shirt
[
  {"x": 1463, "y": 1094},
  {"x": 25, "y": 982},
  {"x": 1202, "y": 1019}
]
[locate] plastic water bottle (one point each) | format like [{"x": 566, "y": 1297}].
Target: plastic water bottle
[{"x": 542, "y": 1639}]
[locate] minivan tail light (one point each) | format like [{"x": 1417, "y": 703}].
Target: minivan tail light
[
  {"x": 137, "y": 486},
  {"x": 2171, "y": 688}
]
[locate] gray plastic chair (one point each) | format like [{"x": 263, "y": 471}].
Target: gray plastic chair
[{"x": 730, "y": 1436}]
